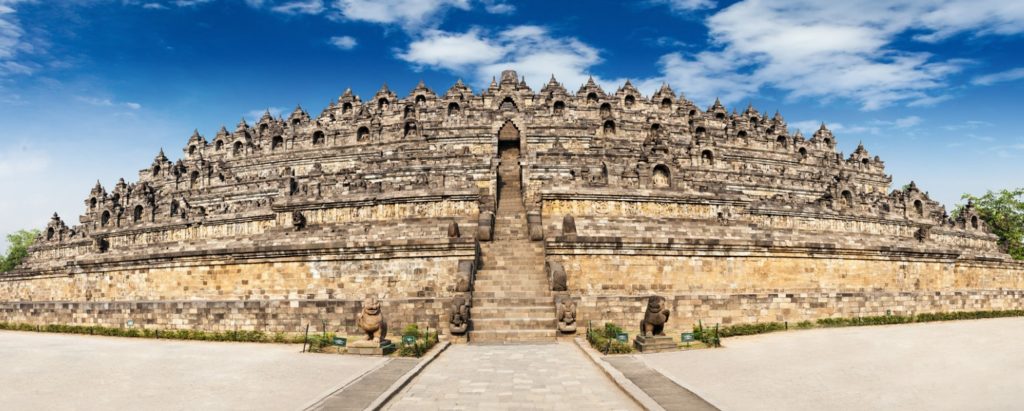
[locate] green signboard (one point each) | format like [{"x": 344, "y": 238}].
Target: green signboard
[
  {"x": 687, "y": 337},
  {"x": 341, "y": 341},
  {"x": 408, "y": 339},
  {"x": 622, "y": 337}
]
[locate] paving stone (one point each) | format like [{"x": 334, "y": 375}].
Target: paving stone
[{"x": 488, "y": 377}]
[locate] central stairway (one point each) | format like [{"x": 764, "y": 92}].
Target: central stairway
[{"x": 512, "y": 302}]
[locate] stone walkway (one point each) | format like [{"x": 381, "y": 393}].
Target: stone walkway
[
  {"x": 512, "y": 377},
  {"x": 360, "y": 394},
  {"x": 955, "y": 365},
  {"x": 666, "y": 393},
  {"x": 81, "y": 372}
]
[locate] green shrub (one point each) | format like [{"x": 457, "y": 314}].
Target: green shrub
[
  {"x": 425, "y": 340},
  {"x": 858, "y": 321},
  {"x": 803, "y": 325},
  {"x": 605, "y": 340},
  {"x": 711, "y": 337},
  {"x": 750, "y": 329}
]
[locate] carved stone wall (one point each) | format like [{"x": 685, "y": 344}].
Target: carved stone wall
[{"x": 666, "y": 197}]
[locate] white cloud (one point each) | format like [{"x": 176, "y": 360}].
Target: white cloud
[
  {"x": 344, "y": 42},
  {"x": 409, "y": 14},
  {"x": 190, "y": 3},
  {"x": 498, "y": 7},
  {"x": 12, "y": 42},
  {"x": 453, "y": 51},
  {"x": 106, "y": 102},
  {"x": 154, "y": 6},
  {"x": 300, "y": 7},
  {"x": 530, "y": 50},
  {"x": 686, "y": 5},
  {"x": 907, "y": 122},
  {"x": 828, "y": 50},
  {"x": 1004, "y": 76}
]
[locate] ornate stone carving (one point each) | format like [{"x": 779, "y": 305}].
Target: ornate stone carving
[
  {"x": 298, "y": 220},
  {"x": 566, "y": 314},
  {"x": 371, "y": 320},
  {"x": 458, "y": 319},
  {"x": 655, "y": 317}
]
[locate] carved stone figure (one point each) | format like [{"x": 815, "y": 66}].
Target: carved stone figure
[
  {"x": 453, "y": 230},
  {"x": 371, "y": 320},
  {"x": 566, "y": 315},
  {"x": 458, "y": 319},
  {"x": 655, "y": 317},
  {"x": 298, "y": 220}
]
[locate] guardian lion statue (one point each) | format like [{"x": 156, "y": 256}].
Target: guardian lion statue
[
  {"x": 371, "y": 320},
  {"x": 655, "y": 318}
]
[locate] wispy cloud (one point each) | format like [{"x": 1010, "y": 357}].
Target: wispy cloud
[
  {"x": 408, "y": 14},
  {"x": 300, "y": 7},
  {"x": 344, "y": 42},
  {"x": 498, "y": 7},
  {"x": 680, "y": 6},
  {"x": 1004, "y": 76},
  {"x": 254, "y": 116},
  {"x": 106, "y": 102},
  {"x": 190, "y": 3},
  {"x": 531, "y": 50}
]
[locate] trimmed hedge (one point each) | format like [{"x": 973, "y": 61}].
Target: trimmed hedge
[
  {"x": 236, "y": 336},
  {"x": 707, "y": 335}
]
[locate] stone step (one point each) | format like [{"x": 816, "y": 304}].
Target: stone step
[
  {"x": 506, "y": 288},
  {"x": 510, "y": 294},
  {"x": 515, "y": 311},
  {"x": 534, "y": 300},
  {"x": 487, "y": 324},
  {"x": 512, "y": 336}
]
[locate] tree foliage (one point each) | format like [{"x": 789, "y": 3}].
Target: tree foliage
[
  {"x": 1003, "y": 211},
  {"x": 17, "y": 249}
]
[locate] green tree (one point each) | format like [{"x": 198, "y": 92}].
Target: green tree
[
  {"x": 1003, "y": 211},
  {"x": 17, "y": 249}
]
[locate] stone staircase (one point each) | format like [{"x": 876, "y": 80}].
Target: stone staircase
[{"x": 512, "y": 301}]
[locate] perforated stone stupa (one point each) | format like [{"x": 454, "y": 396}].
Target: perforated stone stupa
[{"x": 510, "y": 199}]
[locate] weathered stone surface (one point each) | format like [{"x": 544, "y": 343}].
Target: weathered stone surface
[{"x": 630, "y": 195}]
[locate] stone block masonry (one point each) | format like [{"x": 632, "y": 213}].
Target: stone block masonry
[{"x": 730, "y": 215}]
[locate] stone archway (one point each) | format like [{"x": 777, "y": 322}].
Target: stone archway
[{"x": 510, "y": 194}]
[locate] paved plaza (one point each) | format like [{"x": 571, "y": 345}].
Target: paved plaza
[
  {"x": 56, "y": 371},
  {"x": 959, "y": 365},
  {"x": 512, "y": 377}
]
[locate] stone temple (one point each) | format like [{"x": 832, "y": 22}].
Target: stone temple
[{"x": 508, "y": 215}]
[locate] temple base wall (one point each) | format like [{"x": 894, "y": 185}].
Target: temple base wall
[{"x": 728, "y": 309}]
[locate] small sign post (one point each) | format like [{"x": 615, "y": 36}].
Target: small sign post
[
  {"x": 341, "y": 341},
  {"x": 622, "y": 338},
  {"x": 408, "y": 339},
  {"x": 686, "y": 337},
  {"x": 130, "y": 323}
]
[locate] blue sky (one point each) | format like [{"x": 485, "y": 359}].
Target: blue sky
[{"x": 92, "y": 89}]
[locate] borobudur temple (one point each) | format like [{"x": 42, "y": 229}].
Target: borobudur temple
[{"x": 491, "y": 215}]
